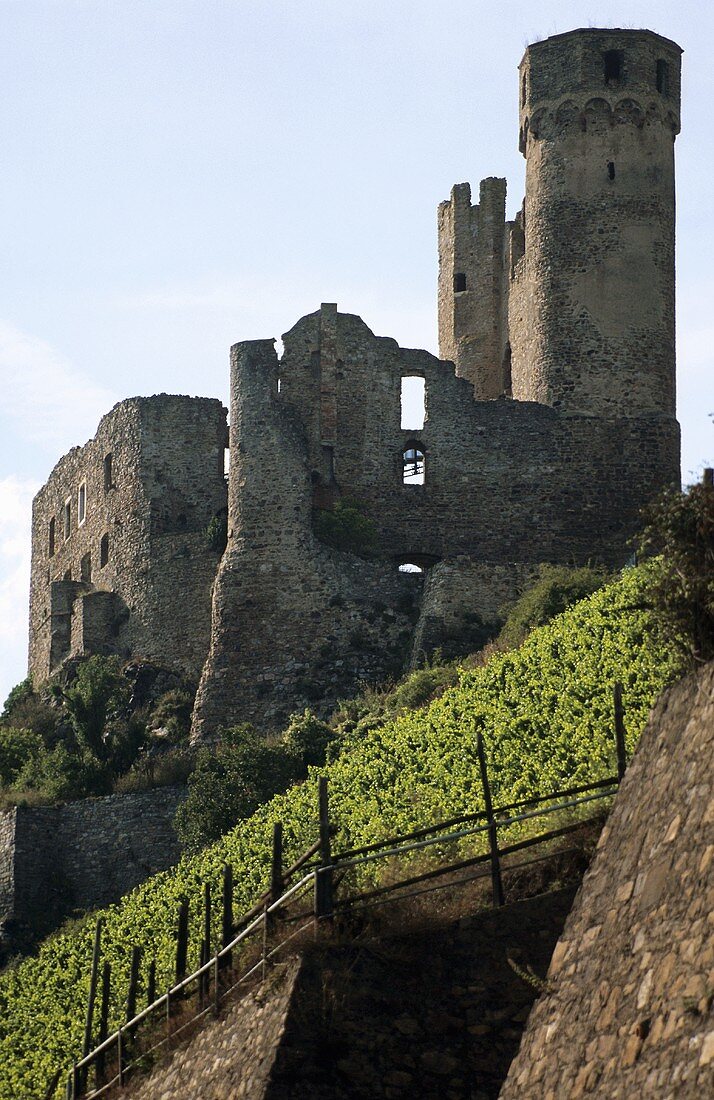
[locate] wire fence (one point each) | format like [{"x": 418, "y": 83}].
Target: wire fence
[{"x": 326, "y": 885}]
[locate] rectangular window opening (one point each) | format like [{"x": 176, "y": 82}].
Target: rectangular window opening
[
  {"x": 662, "y": 77},
  {"x": 85, "y": 568},
  {"x": 82, "y": 503},
  {"x": 67, "y": 517},
  {"x": 51, "y": 538},
  {"x": 413, "y": 401},
  {"x": 613, "y": 66},
  {"x": 104, "y": 550},
  {"x": 459, "y": 282}
]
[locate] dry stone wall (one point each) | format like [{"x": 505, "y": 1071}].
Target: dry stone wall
[
  {"x": 83, "y": 855},
  {"x": 629, "y": 1009},
  {"x": 231, "y": 1058}
]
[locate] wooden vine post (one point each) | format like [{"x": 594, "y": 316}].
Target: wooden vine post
[
  {"x": 94, "y": 975},
  {"x": 496, "y": 880},
  {"x": 182, "y": 941},
  {"x": 619, "y": 730},
  {"x": 133, "y": 985},
  {"x": 227, "y": 913},
  {"x": 323, "y": 875},
  {"x": 103, "y": 1021}
]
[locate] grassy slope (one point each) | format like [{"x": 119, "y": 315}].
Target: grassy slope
[{"x": 545, "y": 711}]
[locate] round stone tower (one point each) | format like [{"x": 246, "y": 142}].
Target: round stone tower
[{"x": 592, "y": 301}]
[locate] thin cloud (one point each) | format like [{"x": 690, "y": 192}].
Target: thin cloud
[{"x": 45, "y": 398}]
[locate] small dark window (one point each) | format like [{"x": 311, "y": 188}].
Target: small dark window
[
  {"x": 459, "y": 282},
  {"x": 85, "y": 568},
  {"x": 108, "y": 483},
  {"x": 611, "y": 169},
  {"x": 507, "y": 378},
  {"x": 51, "y": 539},
  {"x": 68, "y": 517},
  {"x": 613, "y": 66},
  {"x": 104, "y": 550},
  {"x": 413, "y": 466},
  {"x": 662, "y": 77},
  {"x": 524, "y": 90}
]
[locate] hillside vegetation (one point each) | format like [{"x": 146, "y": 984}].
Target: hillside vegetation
[{"x": 545, "y": 711}]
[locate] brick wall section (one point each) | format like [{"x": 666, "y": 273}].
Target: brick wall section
[
  {"x": 110, "y": 585},
  {"x": 629, "y": 1012},
  {"x": 231, "y": 1058},
  {"x": 83, "y": 855}
]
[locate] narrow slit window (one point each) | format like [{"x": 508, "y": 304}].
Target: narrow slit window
[
  {"x": 413, "y": 403},
  {"x": 68, "y": 517},
  {"x": 82, "y": 503},
  {"x": 459, "y": 282},
  {"x": 85, "y": 568},
  {"x": 611, "y": 170},
  {"x": 662, "y": 77},
  {"x": 413, "y": 464},
  {"x": 613, "y": 66},
  {"x": 108, "y": 473},
  {"x": 524, "y": 90},
  {"x": 51, "y": 538},
  {"x": 104, "y": 550}
]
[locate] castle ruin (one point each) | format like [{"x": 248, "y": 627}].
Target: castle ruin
[{"x": 548, "y": 422}]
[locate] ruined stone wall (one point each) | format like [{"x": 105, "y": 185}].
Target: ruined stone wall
[
  {"x": 505, "y": 481},
  {"x": 118, "y": 530},
  {"x": 592, "y": 316},
  {"x": 58, "y": 859},
  {"x": 629, "y": 1006},
  {"x": 473, "y": 285}
]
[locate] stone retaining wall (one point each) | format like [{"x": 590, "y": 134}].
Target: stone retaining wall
[{"x": 631, "y": 984}]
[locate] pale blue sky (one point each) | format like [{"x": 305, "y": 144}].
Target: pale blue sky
[{"x": 180, "y": 175}]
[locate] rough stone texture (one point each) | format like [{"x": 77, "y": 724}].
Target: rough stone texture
[
  {"x": 503, "y": 479},
  {"x": 231, "y": 1058},
  {"x": 433, "y": 1013},
  {"x": 146, "y": 516},
  {"x": 629, "y": 1008},
  {"x": 58, "y": 859}
]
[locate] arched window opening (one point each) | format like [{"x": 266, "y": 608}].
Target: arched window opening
[
  {"x": 410, "y": 567},
  {"x": 108, "y": 483},
  {"x": 104, "y": 551},
  {"x": 662, "y": 77},
  {"x": 413, "y": 401},
  {"x": 51, "y": 538},
  {"x": 85, "y": 568},
  {"x": 81, "y": 504},
  {"x": 459, "y": 282},
  {"x": 613, "y": 66},
  {"x": 413, "y": 463}
]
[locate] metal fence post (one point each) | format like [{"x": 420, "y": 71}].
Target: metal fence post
[{"x": 496, "y": 880}]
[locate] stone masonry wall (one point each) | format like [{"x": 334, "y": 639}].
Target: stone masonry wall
[
  {"x": 629, "y": 1009},
  {"x": 105, "y": 581},
  {"x": 83, "y": 855},
  {"x": 231, "y": 1058},
  {"x": 505, "y": 482}
]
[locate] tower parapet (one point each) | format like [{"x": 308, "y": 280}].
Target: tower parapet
[{"x": 592, "y": 303}]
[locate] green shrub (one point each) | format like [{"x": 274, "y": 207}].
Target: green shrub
[
  {"x": 346, "y": 527},
  {"x": 680, "y": 529},
  {"x": 17, "y": 748},
  {"x": 217, "y": 532},
  {"x": 557, "y": 587}
]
